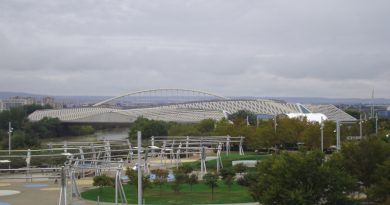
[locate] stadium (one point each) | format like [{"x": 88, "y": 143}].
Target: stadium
[{"x": 185, "y": 106}]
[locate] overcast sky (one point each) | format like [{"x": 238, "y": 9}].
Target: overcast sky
[{"x": 312, "y": 48}]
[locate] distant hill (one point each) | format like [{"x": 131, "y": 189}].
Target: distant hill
[
  {"x": 336, "y": 101},
  {"x": 4, "y": 95},
  {"x": 303, "y": 100}
]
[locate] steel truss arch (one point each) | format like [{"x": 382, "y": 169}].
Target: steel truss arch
[{"x": 161, "y": 89}]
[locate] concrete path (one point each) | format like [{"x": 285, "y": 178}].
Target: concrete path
[{"x": 46, "y": 192}]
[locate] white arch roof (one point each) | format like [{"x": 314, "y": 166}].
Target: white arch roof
[
  {"x": 186, "y": 112},
  {"x": 160, "y": 89}
]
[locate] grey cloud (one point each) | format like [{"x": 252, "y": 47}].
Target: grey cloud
[{"x": 248, "y": 47}]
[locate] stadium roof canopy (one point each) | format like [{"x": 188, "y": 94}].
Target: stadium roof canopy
[
  {"x": 190, "y": 111},
  {"x": 209, "y": 106}
]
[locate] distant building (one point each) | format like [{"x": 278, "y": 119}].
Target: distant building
[
  {"x": 1, "y": 106},
  {"x": 384, "y": 114},
  {"x": 51, "y": 102},
  {"x": 17, "y": 101}
]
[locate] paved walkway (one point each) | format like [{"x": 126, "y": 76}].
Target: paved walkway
[{"x": 45, "y": 192}]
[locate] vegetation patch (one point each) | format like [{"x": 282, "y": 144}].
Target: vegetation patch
[{"x": 200, "y": 194}]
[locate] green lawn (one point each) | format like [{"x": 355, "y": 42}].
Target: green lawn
[
  {"x": 227, "y": 160},
  {"x": 201, "y": 194}
]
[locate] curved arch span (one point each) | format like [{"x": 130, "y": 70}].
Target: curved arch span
[{"x": 160, "y": 89}]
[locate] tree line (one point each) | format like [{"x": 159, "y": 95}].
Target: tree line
[
  {"x": 262, "y": 133},
  {"x": 27, "y": 134},
  {"x": 358, "y": 174}
]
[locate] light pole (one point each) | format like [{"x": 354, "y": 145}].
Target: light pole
[
  {"x": 275, "y": 124},
  {"x": 322, "y": 136},
  {"x": 139, "y": 138},
  {"x": 361, "y": 127},
  {"x": 376, "y": 124},
  {"x": 338, "y": 144},
  {"x": 10, "y": 130}
]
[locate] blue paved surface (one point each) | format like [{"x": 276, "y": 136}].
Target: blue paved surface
[{"x": 35, "y": 185}]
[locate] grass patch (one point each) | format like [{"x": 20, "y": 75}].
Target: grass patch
[
  {"x": 227, "y": 160},
  {"x": 201, "y": 194}
]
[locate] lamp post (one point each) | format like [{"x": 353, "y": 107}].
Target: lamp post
[
  {"x": 376, "y": 124},
  {"x": 361, "y": 127},
  {"x": 338, "y": 144},
  {"x": 139, "y": 138},
  {"x": 275, "y": 124},
  {"x": 322, "y": 135},
  {"x": 10, "y": 130}
]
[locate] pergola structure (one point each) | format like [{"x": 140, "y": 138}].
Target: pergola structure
[{"x": 111, "y": 156}]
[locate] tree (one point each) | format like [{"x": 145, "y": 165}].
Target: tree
[
  {"x": 211, "y": 180},
  {"x": 206, "y": 126},
  {"x": 180, "y": 178},
  {"x": 102, "y": 181},
  {"x": 248, "y": 179},
  {"x": 241, "y": 117},
  {"x": 183, "y": 130},
  {"x": 161, "y": 177},
  {"x": 361, "y": 159},
  {"x": 191, "y": 180},
  {"x": 148, "y": 128},
  {"x": 228, "y": 175},
  {"x": 185, "y": 168},
  {"x": 20, "y": 140},
  {"x": 379, "y": 191},
  {"x": 240, "y": 168},
  {"x": 133, "y": 179},
  {"x": 301, "y": 179}
]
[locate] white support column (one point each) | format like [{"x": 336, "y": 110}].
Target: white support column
[
  {"x": 203, "y": 169},
  {"x": 172, "y": 155},
  {"x": 241, "y": 145},
  {"x": 28, "y": 160},
  {"x": 65, "y": 147},
  {"x": 338, "y": 143},
  {"x": 187, "y": 144},
  {"x": 63, "y": 199},
  {"x": 107, "y": 149},
  {"x": 219, "y": 160},
  {"x": 376, "y": 124},
  {"x": 322, "y": 136},
  {"x": 227, "y": 145},
  {"x": 10, "y": 130},
  {"x": 361, "y": 126},
  {"x": 139, "y": 138},
  {"x": 146, "y": 164},
  {"x": 152, "y": 143},
  {"x": 117, "y": 179},
  {"x": 162, "y": 152},
  {"x": 74, "y": 189},
  {"x": 93, "y": 152},
  {"x": 178, "y": 159}
]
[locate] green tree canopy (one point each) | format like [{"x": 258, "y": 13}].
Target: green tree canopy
[
  {"x": 379, "y": 191},
  {"x": 301, "y": 179},
  {"x": 241, "y": 116},
  {"x": 148, "y": 128},
  {"x": 191, "y": 180},
  {"x": 361, "y": 158},
  {"x": 102, "y": 181},
  {"x": 161, "y": 177},
  {"x": 211, "y": 179}
]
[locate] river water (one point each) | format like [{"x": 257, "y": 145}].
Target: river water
[{"x": 112, "y": 134}]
